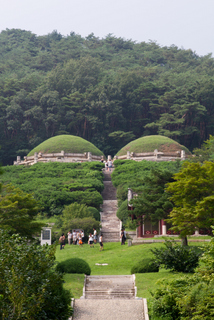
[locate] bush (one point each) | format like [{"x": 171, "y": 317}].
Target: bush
[
  {"x": 122, "y": 212},
  {"x": 95, "y": 213},
  {"x": 176, "y": 257},
  {"x": 74, "y": 265},
  {"x": 144, "y": 266}
]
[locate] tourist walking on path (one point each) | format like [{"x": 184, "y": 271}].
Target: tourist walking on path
[
  {"x": 106, "y": 165},
  {"x": 101, "y": 242},
  {"x": 95, "y": 235},
  {"x": 109, "y": 165},
  {"x": 62, "y": 241},
  {"x": 91, "y": 242}
]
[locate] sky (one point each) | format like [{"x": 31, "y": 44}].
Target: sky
[{"x": 187, "y": 24}]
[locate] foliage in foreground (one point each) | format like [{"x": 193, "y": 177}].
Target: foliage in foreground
[
  {"x": 176, "y": 257},
  {"x": 29, "y": 287},
  {"x": 18, "y": 211},
  {"x": 188, "y": 298},
  {"x": 74, "y": 265},
  {"x": 144, "y": 266}
]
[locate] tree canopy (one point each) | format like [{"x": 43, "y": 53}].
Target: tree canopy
[
  {"x": 18, "y": 211},
  {"x": 107, "y": 91}
]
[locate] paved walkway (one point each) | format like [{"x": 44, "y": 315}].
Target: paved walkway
[
  {"x": 89, "y": 309},
  {"x": 111, "y": 225}
]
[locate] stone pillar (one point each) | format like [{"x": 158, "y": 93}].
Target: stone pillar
[
  {"x": 109, "y": 158},
  {"x": 128, "y": 155},
  {"x": 156, "y": 153},
  {"x": 35, "y": 157},
  {"x": 63, "y": 153},
  {"x": 18, "y": 159},
  {"x": 89, "y": 156},
  {"x": 163, "y": 228},
  {"x": 196, "y": 232},
  {"x": 183, "y": 155}
]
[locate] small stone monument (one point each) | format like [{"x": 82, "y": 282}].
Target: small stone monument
[{"x": 46, "y": 236}]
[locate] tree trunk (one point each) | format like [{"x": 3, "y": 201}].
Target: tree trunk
[{"x": 184, "y": 241}]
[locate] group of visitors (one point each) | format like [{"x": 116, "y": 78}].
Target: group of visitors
[
  {"x": 76, "y": 237},
  {"x": 108, "y": 164},
  {"x": 92, "y": 239}
]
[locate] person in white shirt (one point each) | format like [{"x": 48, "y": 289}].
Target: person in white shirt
[
  {"x": 95, "y": 235},
  {"x": 74, "y": 237},
  {"x": 69, "y": 237},
  {"x": 90, "y": 239},
  {"x": 109, "y": 165}
]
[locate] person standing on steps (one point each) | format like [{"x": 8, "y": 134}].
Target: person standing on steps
[
  {"x": 109, "y": 165},
  {"x": 106, "y": 166},
  {"x": 101, "y": 242},
  {"x": 95, "y": 235}
]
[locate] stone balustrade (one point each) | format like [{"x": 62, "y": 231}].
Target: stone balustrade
[
  {"x": 153, "y": 156},
  {"x": 57, "y": 157}
]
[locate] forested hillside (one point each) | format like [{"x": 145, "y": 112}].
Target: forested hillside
[{"x": 108, "y": 91}]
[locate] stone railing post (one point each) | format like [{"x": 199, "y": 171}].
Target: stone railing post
[
  {"x": 89, "y": 156},
  {"x": 35, "y": 157},
  {"x": 183, "y": 155}
]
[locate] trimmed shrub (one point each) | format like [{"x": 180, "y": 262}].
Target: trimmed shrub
[
  {"x": 74, "y": 265},
  {"x": 144, "y": 266},
  {"x": 177, "y": 257}
]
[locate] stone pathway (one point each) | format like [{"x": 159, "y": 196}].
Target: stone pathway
[
  {"x": 111, "y": 225},
  {"x": 89, "y": 309},
  {"x": 110, "y": 297}
]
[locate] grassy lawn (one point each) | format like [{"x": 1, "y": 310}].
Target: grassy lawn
[{"x": 119, "y": 260}]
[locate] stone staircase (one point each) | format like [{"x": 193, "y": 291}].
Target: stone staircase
[
  {"x": 110, "y": 287},
  {"x": 111, "y": 225}
]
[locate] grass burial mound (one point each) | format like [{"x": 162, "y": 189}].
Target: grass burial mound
[
  {"x": 67, "y": 143},
  {"x": 150, "y": 143}
]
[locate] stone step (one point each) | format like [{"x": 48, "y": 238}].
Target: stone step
[{"x": 110, "y": 287}]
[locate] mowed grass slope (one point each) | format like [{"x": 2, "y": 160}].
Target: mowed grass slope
[
  {"x": 67, "y": 143},
  {"x": 150, "y": 143}
]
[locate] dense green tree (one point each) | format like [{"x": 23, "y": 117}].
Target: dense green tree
[
  {"x": 152, "y": 201},
  {"x": 18, "y": 211},
  {"x": 193, "y": 196},
  {"x": 29, "y": 286}
]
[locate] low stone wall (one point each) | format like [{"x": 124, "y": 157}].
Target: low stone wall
[
  {"x": 57, "y": 157},
  {"x": 153, "y": 156}
]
